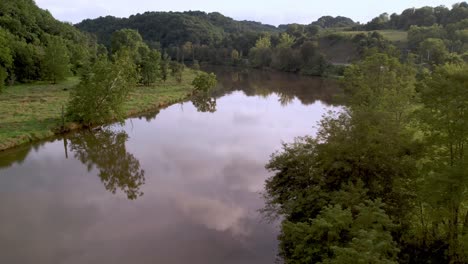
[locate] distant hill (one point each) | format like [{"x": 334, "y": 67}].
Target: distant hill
[
  {"x": 175, "y": 28},
  {"x": 423, "y": 17},
  {"x": 334, "y": 22}
]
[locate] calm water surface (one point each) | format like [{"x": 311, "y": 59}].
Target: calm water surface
[{"x": 179, "y": 186}]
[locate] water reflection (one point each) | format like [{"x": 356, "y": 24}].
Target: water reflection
[
  {"x": 105, "y": 151},
  {"x": 203, "y": 102},
  {"x": 288, "y": 87},
  {"x": 201, "y": 175}
]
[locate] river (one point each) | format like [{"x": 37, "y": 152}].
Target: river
[{"x": 181, "y": 185}]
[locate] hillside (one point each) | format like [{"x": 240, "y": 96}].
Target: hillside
[
  {"x": 174, "y": 28},
  {"x": 26, "y": 31}
]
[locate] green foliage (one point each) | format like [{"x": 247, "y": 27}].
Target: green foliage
[
  {"x": 150, "y": 70},
  {"x": 204, "y": 82},
  {"x": 263, "y": 42},
  {"x": 165, "y": 62},
  {"x": 29, "y": 37},
  {"x": 444, "y": 120},
  {"x": 416, "y": 35},
  {"x": 359, "y": 234},
  {"x": 56, "y": 64},
  {"x": 334, "y": 22},
  {"x": 126, "y": 39},
  {"x": 6, "y": 54},
  {"x": 3, "y": 77},
  {"x": 196, "y": 65},
  {"x": 176, "y": 70},
  {"x": 340, "y": 192},
  {"x": 102, "y": 92},
  {"x": 433, "y": 51},
  {"x": 285, "y": 41},
  {"x": 381, "y": 83},
  {"x": 422, "y": 17}
]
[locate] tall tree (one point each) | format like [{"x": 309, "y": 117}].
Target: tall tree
[
  {"x": 165, "y": 61},
  {"x": 444, "y": 119},
  {"x": 102, "y": 92},
  {"x": 56, "y": 63},
  {"x": 150, "y": 69}
]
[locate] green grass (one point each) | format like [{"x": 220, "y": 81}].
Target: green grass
[
  {"x": 391, "y": 35},
  {"x": 29, "y": 112}
]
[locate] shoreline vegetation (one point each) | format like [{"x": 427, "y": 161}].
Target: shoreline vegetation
[{"x": 33, "y": 111}]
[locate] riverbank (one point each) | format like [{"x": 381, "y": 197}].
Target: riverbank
[{"x": 31, "y": 112}]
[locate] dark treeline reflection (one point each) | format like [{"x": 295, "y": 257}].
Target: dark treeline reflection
[
  {"x": 203, "y": 102},
  {"x": 264, "y": 83},
  {"x": 19, "y": 154},
  {"x": 105, "y": 151}
]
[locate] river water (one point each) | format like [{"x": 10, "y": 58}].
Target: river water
[{"x": 182, "y": 185}]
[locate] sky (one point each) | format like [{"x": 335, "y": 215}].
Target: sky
[{"x": 272, "y": 12}]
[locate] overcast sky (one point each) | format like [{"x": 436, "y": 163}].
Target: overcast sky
[{"x": 273, "y": 12}]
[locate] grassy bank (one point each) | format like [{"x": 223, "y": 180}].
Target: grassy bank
[{"x": 31, "y": 112}]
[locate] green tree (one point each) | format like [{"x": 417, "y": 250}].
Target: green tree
[
  {"x": 150, "y": 69},
  {"x": 177, "y": 70},
  {"x": 444, "y": 182},
  {"x": 6, "y": 56},
  {"x": 204, "y": 82},
  {"x": 285, "y": 41},
  {"x": 126, "y": 39},
  {"x": 165, "y": 61},
  {"x": 261, "y": 54},
  {"x": 340, "y": 192},
  {"x": 56, "y": 65},
  {"x": 3, "y": 77},
  {"x": 433, "y": 51},
  {"x": 102, "y": 92}
]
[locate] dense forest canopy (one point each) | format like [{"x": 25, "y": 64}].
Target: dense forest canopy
[
  {"x": 174, "y": 28},
  {"x": 422, "y": 17},
  {"x": 28, "y": 32}
]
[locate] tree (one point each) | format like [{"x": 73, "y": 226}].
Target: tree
[
  {"x": 6, "y": 58},
  {"x": 285, "y": 41},
  {"x": 380, "y": 83},
  {"x": 188, "y": 51},
  {"x": 204, "y": 82},
  {"x": 126, "y": 38},
  {"x": 433, "y": 51},
  {"x": 260, "y": 55},
  {"x": 3, "y": 77},
  {"x": 102, "y": 92},
  {"x": 341, "y": 193},
  {"x": 150, "y": 69},
  {"x": 56, "y": 63},
  {"x": 235, "y": 56},
  {"x": 177, "y": 70},
  {"x": 444, "y": 119},
  {"x": 165, "y": 61}
]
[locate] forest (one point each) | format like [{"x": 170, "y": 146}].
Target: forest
[{"x": 431, "y": 34}]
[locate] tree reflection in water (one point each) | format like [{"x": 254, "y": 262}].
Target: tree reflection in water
[
  {"x": 204, "y": 102},
  {"x": 105, "y": 150}
]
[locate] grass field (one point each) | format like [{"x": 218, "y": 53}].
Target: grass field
[
  {"x": 391, "y": 35},
  {"x": 30, "y": 112}
]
